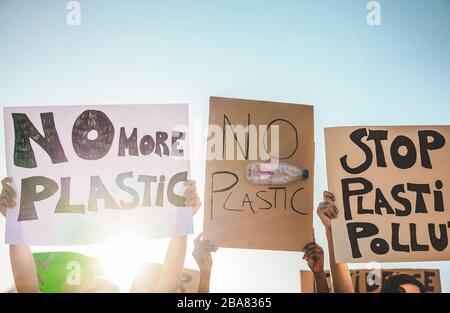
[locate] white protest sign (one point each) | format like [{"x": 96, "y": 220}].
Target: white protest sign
[{"x": 89, "y": 174}]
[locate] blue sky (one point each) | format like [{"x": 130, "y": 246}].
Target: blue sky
[{"x": 318, "y": 52}]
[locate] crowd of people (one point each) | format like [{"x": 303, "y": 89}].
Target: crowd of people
[{"x": 26, "y": 279}]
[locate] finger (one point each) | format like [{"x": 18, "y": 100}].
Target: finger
[
  {"x": 189, "y": 203},
  {"x": 197, "y": 203},
  {"x": 336, "y": 211},
  {"x": 323, "y": 206},
  {"x": 193, "y": 203},
  {"x": 309, "y": 258},
  {"x": 190, "y": 183},
  {"x": 316, "y": 249},
  {"x": 8, "y": 203},
  {"x": 188, "y": 191},
  {"x": 314, "y": 255},
  {"x": 209, "y": 247},
  {"x": 309, "y": 246},
  {"x": 208, "y": 242},
  {"x": 325, "y": 213},
  {"x": 11, "y": 203},
  {"x": 11, "y": 193},
  {"x": 327, "y": 195},
  {"x": 203, "y": 252},
  {"x": 5, "y": 181},
  {"x": 212, "y": 249},
  {"x": 316, "y": 252},
  {"x": 191, "y": 196},
  {"x": 330, "y": 212}
]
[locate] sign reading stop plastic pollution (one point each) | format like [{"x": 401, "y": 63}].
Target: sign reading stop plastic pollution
[
  {"x": 392, "y": 187},
  {"x": 89, "y": 174}
]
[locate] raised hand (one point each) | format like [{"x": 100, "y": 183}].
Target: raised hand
[
  {"x": 327, "y": 209},
  {"x": 7, "y": 196},
  {"x": 314, "y": 256},
  {"x": 192, "y": 198},
  {"x": 202, "y": 252}
]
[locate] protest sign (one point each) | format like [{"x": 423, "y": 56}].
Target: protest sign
[
  {"x": 239, "y": 213},
  {"x": 89, "y": 174},
  {"x": 392, "y": 189},
  {"x": 64, "y": 271},
  {"x": 370, "y": 281},
  {"x": 146, "y": 280}
]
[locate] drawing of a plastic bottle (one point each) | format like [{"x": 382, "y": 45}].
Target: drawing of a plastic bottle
[{"x": 260, "y": 173}]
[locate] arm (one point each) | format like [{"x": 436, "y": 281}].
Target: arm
[
  {"x": 314, "y": 256},
  {"x": 342, "y": 280},
  {"x": 205, "y": 278},
  {"x": 22, "y": 262},
  {"x": 172, "y": 269},
  {"x": 23, "y": 268},
  {"x": 202, "y": 255},
  {"x": 321, "y": 283}
]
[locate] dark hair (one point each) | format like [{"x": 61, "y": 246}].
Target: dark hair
[{"x": 394, "y": 282}]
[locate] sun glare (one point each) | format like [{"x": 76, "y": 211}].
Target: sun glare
[{"x": 122, "y": 259}]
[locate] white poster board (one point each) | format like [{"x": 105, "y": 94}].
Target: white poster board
[{"x": 89, "y": 174}]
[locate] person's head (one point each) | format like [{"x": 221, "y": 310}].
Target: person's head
[
  {"x": 402, "y": 283},
  {"x": 99, "y": 285}
]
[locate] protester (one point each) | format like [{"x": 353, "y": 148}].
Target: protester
[
  {"x": 202, "y": 255},
  {"x": 340, "y": 274},
  {"x": 314, "y": 256},
  {"x": 402, "y": 283},
  {"x": 22, "y": 262},
  {"x": 99, "y": 284},
  {"x": 24, "y": 267}
]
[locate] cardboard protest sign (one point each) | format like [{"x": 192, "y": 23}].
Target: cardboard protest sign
[
  {"x": 89, "y": 174},
  {"x": 65, "y": 271},
  {"x": 392, "y": 187},
  {"x": 370, "y": 281},
  {"x": 146, "y": 280},
  {"x": 241, "y": 214}
]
